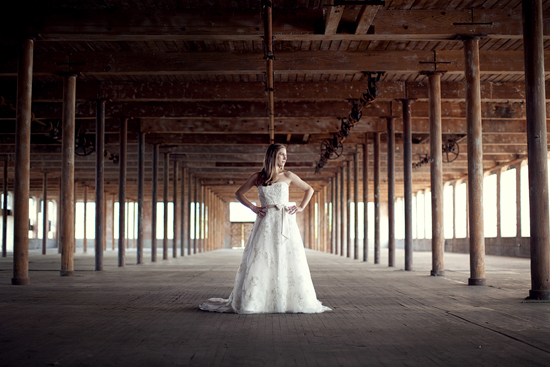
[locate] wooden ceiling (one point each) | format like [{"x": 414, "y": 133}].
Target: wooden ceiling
[{"x": 192, "y": 74}]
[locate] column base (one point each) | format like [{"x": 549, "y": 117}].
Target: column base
[
  {"x": 66, "y": 273},
  {"x": 437, "y": 273},
  {"x": 539, "y": 295},
  {"x": 477, "y": 281},
  {"x": 20, "y": 281}
]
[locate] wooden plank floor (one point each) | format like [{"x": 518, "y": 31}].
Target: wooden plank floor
[{"x": 148, "y": 316}]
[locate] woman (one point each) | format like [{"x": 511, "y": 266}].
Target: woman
[{"x": 273, "y": 276}]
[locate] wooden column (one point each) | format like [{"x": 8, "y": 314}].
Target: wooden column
[
  {"x": 475, "y": 162},
  {"x": 201, "y": 217},
  {"x": 22, "y": 164},
  {"x": 140, "y": 190},
  {"x": 67, "y": 176},
  {"x": 165, "y": 181},
  {"x": 518, "y": 201},
  {"x": 122, "y": 192},
  {"x": 337, "y": 213},
  {"x": 99, "y": 184},
  {"x": 356, "y": 204},
  {"x": 183, "y": 212},
  {"x": 391, "y": 190},
  {"x": 537, "y": 149},
  {"x": 176, "y": 207},
  {"x": 85, "y": 239},
  {"x": 407, "y": 174},
  {"x": 333, "y": 216},
  {"x": 5, "y": 210},
  {"x": 154, "y": 204},
  {"x": 196, "y": 219},
  {"x": 112, "y": 220},
  {"x": 365, "y": 200},
  {"x": 342, "y": 211},
  {"x": 190, "y": 221},
  {"x": 44, "y": 212},
  {"x": 377, "y": 198},
  {"x": 436, "y": 173},
  {"x": 499, "y": 220},
  {"x": 348, "y": 208}
]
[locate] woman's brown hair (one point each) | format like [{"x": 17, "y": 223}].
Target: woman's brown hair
[{"x": 269, "y": 171}]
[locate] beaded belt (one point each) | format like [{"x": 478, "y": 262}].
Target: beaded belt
[{"x": 284, "y": 226}]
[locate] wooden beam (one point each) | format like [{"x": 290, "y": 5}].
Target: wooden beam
[
  {"x": 365, "y": 18},
  {"x": 333, "y": 14},
  {"x": 102, "y": 64}
]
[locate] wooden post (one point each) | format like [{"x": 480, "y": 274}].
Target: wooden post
[
  {"x": 85, "y": 239},
  {"x": 22, "y": 165},
  {"x": 436, "y": 173},
  {"x": 537, "y": 149},
  {"x": 67, "y": 176},
  {"x": 342, "y": 211},
  {"x": 475, "y": 162},
  {"x": 333, "y": 215},
  {"x": 154, "y": 203},
  {"x": 188, "y": 222},
  {"x": 122, "y": 192},
  {"x": 196, "y": 215},
  {"x": 518, "y": 201},
  {"x": 337, "y": 213},
  {"x": 348, "y": 208},
  {"x": 377, "y": 198},
  {"x": 176, "y": 207},
  {"x": 140, "y": 189},
  {"x": 5, "y": 210},
  {"x": 391, "y": 190},
  {"x": 183, "y": 212},
  {"x": 365, "y": 200},
  {"x": 407, "y": 173},
  {"x": 356, "y": 203},
  {"x": 99, "y": 185},
  {"x": 44, "y": 212},
  {"x": 165, "y": 180}
]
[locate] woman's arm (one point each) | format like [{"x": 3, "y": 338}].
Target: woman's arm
[
  {"x": 302, "y": 185},
  {"x": 241, "y": 192}
]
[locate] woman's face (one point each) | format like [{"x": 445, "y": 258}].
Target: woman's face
[{"x": 281, "y": 157}]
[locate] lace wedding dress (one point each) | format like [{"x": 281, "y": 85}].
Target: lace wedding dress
[{"x": 274, "y": 275}]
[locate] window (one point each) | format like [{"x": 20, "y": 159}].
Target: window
[
  {"x": 508, "y": 203},
  {"x": 448, "y": 211},
  {"x": 420, "y": 215},
  {"x": 461, "y": 211},
  {"x": 490, "y": 205},
  {"x": 428, "y": 214},
  {"x": 524, "y": 182}
]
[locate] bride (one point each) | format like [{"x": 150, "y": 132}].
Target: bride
[{"x": 273, "y": 276}]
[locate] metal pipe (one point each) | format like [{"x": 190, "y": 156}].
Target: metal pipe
[
  {"x": 140, "y": 188},
  {"x": 44, "y": 212},
  {"x": 99, "y": 185},
  {"x": 67, "y": 176},
  {"x": 391, "y": 190},
  {"x": 22, "y": 165},
  {"x": 533, "y": 45},
  {"x": 436, "y": 173},
  {"x": 377, "y": 198},
  {"x": 154, "y": 203},
  {"x": 122, "y": 192}
]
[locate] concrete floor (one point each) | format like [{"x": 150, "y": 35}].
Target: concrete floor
[{"x": 148, "y": 316}]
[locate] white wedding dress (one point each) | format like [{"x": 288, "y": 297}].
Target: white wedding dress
[{"x": 274, "y": 275}]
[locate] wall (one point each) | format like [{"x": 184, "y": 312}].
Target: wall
[{"x": 506, "y": 246}]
